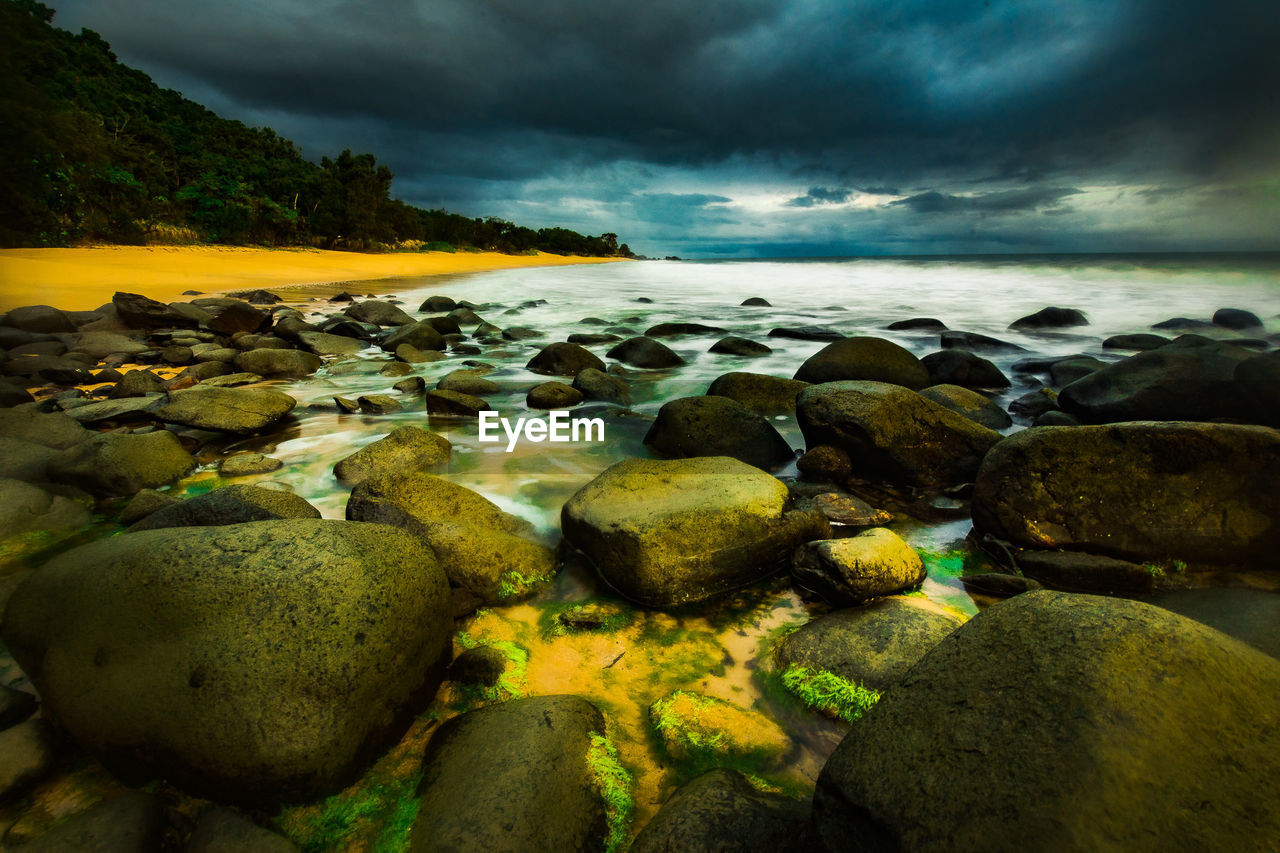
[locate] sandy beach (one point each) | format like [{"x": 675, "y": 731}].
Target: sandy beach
[{"x": 83, "y": 279}]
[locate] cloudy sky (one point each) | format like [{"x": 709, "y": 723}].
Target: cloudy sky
[{"x": 714, "y": 128}]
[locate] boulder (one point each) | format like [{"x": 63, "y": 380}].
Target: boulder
[
  {"x": 1136, "y": 342},
  {"x": 133, "y": 822},
  {"x": 421, "y": 336},
  {"x": 481, "y": 548},
  {"x": 806, "y": 333},
  {"x": 666, "y": 533},
  {"x": 696, "y": 729},
  {"x": 242, "y": 411},
  {"x": 645, "y": 352},
  {"x": 33, "y": 517},
  {"x": 248, "y": 464},
  {"x": 27, "y": 755},
  {"x": 1074, "y": 571},
  {"x": 1139, "y": 491},
  {"x": 1257, "y": 381},
  {"x": 1068, "y": 370},
  {"x": 137, "y": 383},
  {"x": 709, "y": 810},
  {"x": 378, "y": 404},
  {"x": 553, "y": 395},
  {"x": 961, "y": 367},
  {"x": 851, "y": 570},
  {"x": 139, "y": 312},
  {"x": 1103, "y": 723},
  {"x": 871, "y": 646},
  {"x": 874, "y": 359},
  {"x": 918, "y": 324},
  {"x": 671, "y": 330},
  {"x": 229, "y": 505},
  {"x": 467, "y": 382},
  {"x": 1228, "y": 318},
  {"x": 537, "y": 794},
  {"x": 119, "y": 464},
  {"x": 1050, "y": 318},
  {"x": 1189, "y": 379},
  {"x": 766, "y": 395},
  {"x": 593, "y": 338},
  {"x": 894, "y": 434},
  {"x": 454, "y": 403},
  {"x": 410, "y": 354},
  {"x": 253, "y": 662},
  {"x": 378, "y": 313},
  {"x": 740, "y": 346},
  {"x": 520, "y": 333},
  {"x": 717, "y": 426},
  {"x": 221, "y": 830},
  {"x": 15, "y": 706},
  {"x": 323, "y": 343},
  {"x": 24, "y": 460},
  {"x": 438, "y": 303},
  {"x": 53, "y": 430},
  {"x": 145, "y": 502},
  {"x": 239, "y": 317},
  {"x": 756, "y": 302},
  {"x": 563, "y": 359},
  {"x": 597, "y": 385},
  {"x": 971, "y": 404},
  {"x": 278, "y": 363},
  {"x": 38, "y": 318},
  {"x": 409, "y": 448}
]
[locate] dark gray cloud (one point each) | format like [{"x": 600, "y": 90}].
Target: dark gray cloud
[{"x": 593, "y": 111}]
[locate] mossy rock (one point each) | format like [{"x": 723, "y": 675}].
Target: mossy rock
[
  {"x": 699, "y": 730},
  {"x": 717, "y": 426},
  {"x": 874, "y": 359},
  {"x": 894, "y": 434},
  {"x": 487, "y": 551},
  {"x": 229, "y": 505},
  {"x": 119, "y": 464},
  {"x": 854, "y": 569},
  {"x": 243, "y": 411},
  {"x": 409, "y": 448},
  {"x": 971, "y": 404},
  {"x": 1139, "y": 491},
  {"x": 1106, "y": 724},
  {"x": 722, "y": 810},
  {"x": 251, "y": 662},
  {"x": 668, "y": 533},
  {"x": 766, "y": 395},
  {"x": 536, "y": 793}
]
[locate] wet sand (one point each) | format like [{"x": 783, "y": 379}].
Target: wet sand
[{"x": 84, "y": 279}]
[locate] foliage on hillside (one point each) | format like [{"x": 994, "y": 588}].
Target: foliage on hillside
[{"x": 97, "y": 151}]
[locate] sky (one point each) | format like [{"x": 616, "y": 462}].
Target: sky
[{"x": 766, "y": 128}]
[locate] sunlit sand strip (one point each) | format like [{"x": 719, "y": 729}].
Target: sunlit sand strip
[{"x": 84, "y": 279}]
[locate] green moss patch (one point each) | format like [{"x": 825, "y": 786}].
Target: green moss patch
[
  {"x": 615, "y": 784},
  {"x": 827, "y": 692},
  {"x": 381, "y": 815},
  {"x": 702, "y": 731}
]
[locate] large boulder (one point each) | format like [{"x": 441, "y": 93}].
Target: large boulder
[
  {"x": 894, "y": 434},
  {"x": 409, "y": 448},
  {"x": 242, "y": 411},
  {"x": 229, "y": 505},
  {"x": 871, "y": 646},
  {"x": 253, "y": 662},
  {"x": 961, "y": 367},
  {"x": 666, "y": 533},
  {"x": 420, "y": 335},
  {"x": 723, "y": 807},
  {"x": 140, "y": 312},
  {"x": 970, "y": 404},
  {"x": 34, "y": 518},
  {"x": 1050, "y": 318},
  {"x": 645, "y": 352},
  {"x": 323, "y": 343},
  {"x": 279, "y": 363},
  {"x": 1138, "y": 491},
  {"x": 1190, "y": 379},
  {"x": 119, "y": 464},
  {"x": 482, "y": 549},
  {"x": 564, "y": 359},
  {"x": 595, "y": 384},
  {"x": 54, "y": 430},
  {"x": 874, "y": 359},
  {"x": 535, "y": 794},
  {"x": 38, "y": 318},
  {"x": 854, "y": 569},
  {"x": 1062, "y": 722},
  {"x": 768, "y": 395},
  {"x": 378, "y": 313},
  {"x": 717, "y": 426}
]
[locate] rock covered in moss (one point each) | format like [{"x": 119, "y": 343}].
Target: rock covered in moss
[
  {"x": 970, "y": 404},
  {"x": 248, "y": 464},
  {"x": 717, "y": 426},
  {"x": 536, "y": 794},
  {"x": 553, "y": 395},
  {"x": 487, "y": 551},
  {"x": 767, "y": 395},
  {"x": 281, "y": 363},
  {"x": 666, "y": 533},
  {"x": 723, "y": 807},
  {"x": 858, "y": 568},
  {"x": 111, "y": 464},
  {"x": 894, "y": 434},
  {"x": 407, "y": 448},
  {"x": 696, "y": 729},
  {"x": 251, "y": 662},
  {"x": 1112, "y": 724},
  {"x": 242, "y": 411},
  {"x": 1137, "y": 491},
  {"x": 871, "y": 646},
  {"x": 229, "y": 505},
  {"x": 874, "y": 359}
]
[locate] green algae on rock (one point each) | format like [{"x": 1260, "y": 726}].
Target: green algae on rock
[
  {"x": 667, "y": 533},
  {"x": 251, "y": 662},
  {"x": 701, "y": 731}
]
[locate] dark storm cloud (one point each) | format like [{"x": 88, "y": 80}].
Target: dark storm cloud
[
  {"x": 474, "y": 100},
  {"x": 1007, "y": 201},
  {"x": 821, "y": 195}
]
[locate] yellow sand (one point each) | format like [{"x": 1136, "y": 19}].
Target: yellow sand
[{"x": 83, "y": 279}]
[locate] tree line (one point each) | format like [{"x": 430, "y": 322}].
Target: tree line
[{"x": 98, "y": 152}]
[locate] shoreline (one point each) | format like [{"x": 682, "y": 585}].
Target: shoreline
[{"x": 82, "y": 279}]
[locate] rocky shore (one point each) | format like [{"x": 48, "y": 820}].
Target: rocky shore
[{"x": 194, "y": 668}]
